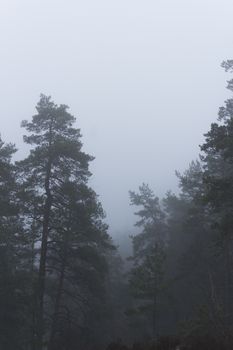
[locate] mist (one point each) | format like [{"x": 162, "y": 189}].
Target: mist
[
  {"x": 143, "y": 80},
  {"x": 116, "y": 175}
]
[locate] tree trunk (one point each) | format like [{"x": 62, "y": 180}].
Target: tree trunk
[
  {"x": 228, "y": 296},
  {"x": 43, "y": 256},
  {"x": 33, "y": 332},
  {"x": 155, "y": 317},
  {"x": 155, "y": 310},
  {"x": 57, "y": 306}
]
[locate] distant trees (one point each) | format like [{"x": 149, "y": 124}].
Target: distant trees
[
  {"x": 199, "y": 243},
  {"x": 146, "y": 275},
  {"x": 176, "y": 263},
  {"x": 193, "y": 258}
]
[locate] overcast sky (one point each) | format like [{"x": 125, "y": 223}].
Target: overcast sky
[{"x": 142, "y": 77}]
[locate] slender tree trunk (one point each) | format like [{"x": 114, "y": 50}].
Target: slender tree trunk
[
  {"x": 155, "y": 310},
  {"x": 57, "y": 306},
  {"x": 154, "y": 321},
  {"x": 228, "y": 296},
  {"x": 43, "y": 256},
  {"x": 59, "y": 290},
  {"x": 33, "y": 334},
  {"x": 215, "y": 307},
  {"x": 228, "y": 290}
]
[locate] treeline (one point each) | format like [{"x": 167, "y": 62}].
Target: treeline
[{"x": 63, "y": 283}]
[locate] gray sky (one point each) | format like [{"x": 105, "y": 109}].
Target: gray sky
[{"x": 142, "y": 77}]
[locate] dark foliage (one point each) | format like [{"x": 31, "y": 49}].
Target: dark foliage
[{"x": 64, "y": 284}]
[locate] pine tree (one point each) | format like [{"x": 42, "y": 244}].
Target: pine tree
[
  {"x": 217, "y": 158},
  {"x": 56, "y": 157}
]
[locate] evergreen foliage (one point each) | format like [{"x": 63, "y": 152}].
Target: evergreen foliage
[{"x": 63, "y": 282}]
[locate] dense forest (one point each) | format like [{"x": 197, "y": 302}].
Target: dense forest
[{"x": 64, "y": 283}]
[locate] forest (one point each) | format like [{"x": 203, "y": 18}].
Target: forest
[{"x": 64, "y": 282}]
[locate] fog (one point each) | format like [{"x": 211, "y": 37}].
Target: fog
[{"x": 143, "y": 79}]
